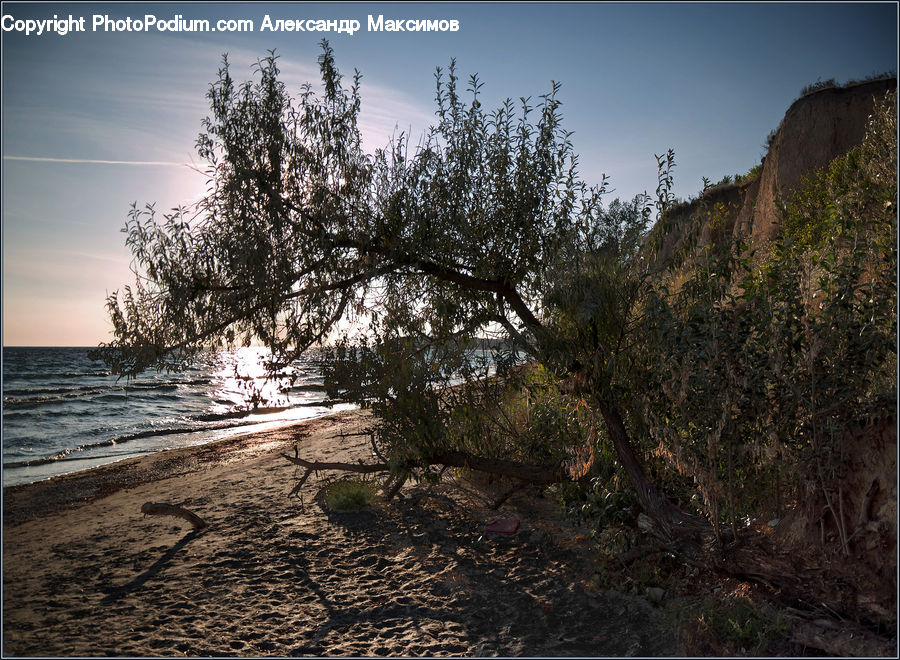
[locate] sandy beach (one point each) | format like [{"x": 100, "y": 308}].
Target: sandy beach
[{"x": 85, "y": 573}]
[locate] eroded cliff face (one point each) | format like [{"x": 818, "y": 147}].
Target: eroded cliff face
[{"x": 816, "y": 129}]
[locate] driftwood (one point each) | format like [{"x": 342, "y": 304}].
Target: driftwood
[{"x": 161, "y": 509}]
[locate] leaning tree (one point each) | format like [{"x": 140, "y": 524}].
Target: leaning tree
[{"x": 484, "y": 226}]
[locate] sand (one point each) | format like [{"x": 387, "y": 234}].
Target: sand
[{"x": 85, "y": 573}]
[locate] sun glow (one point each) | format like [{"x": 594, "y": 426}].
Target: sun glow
[{"x": 244, "y": 382}]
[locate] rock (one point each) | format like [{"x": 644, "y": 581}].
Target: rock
[
  {"x": 539, "y": 537},
  {"x": 655, "y": 594},
  {"x": 507, "y": 526},
  {"x": 645, "y": 523}
]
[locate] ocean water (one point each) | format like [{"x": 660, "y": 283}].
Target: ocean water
[{"x": 63, "y": 412}]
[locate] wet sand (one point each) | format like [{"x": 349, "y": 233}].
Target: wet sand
[{"x": 85, "y": 573}]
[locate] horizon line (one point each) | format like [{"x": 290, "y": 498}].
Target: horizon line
[{"x": 90, "y": 161}]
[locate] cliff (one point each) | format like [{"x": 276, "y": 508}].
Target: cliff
[{"x": 816, "y": 129}]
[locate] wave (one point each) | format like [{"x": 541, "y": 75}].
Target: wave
[
  {"x": 13, "y": 398},
  {"x": 29, "y": 414},
  {"x": 46, "y": 375},
  {"x": 303, "y": 388},
  {"x": 19, "y": 397},
  {"x": 208, "y": 422},
  {"x": 66, "y": 454}
]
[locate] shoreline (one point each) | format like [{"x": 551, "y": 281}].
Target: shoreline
[
  {"x": 65, "y": 413},
  {"x": 86, "y": 574},
  {"x": 185, "y": 440},
  {"x": 22, "y": 502}
]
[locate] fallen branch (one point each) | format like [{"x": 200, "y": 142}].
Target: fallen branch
[
  {"x": 530, "y": 473},
  {"x": 296, "y": 489},
  {"x": 525, "y": 473},
  {"x": 845, "y": 639},
  {"x": 375, "y": 450},
  {"x": 160, "y": 509},
  {"x": 497, "y": 503},
  {"x": 535, "y": 474},
  {"x": 363, "y": 468}
]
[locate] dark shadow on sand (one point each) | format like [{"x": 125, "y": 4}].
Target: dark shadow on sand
[{"x": 119, "y": 592}]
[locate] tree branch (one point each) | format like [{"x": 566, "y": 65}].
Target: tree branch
[
  {"x": 535, "y": 474},
  {"x": 362, "y": 468}
]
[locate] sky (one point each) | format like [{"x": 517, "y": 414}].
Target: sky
[{"x": 94, "y": 121}]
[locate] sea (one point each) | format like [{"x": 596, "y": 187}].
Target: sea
[{"x": 63, "y": 412}]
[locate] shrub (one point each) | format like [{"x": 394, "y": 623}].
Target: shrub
[
  {"x": 770, "y": 139},
  {"x": 757, "y": 370},
  {"x": 731, "y": 625},
  {"x": 752, "y": 174},
  {"x": 818, "y": 85},
  {"x": 349, "y": 494}
]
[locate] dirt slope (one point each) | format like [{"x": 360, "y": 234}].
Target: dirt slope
[{"x": 816, "y": 129}]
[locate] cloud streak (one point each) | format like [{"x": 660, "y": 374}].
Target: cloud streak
[{"x": 91, "y": 161}]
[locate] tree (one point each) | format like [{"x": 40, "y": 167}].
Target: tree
[{"x": 485, "y": 225}]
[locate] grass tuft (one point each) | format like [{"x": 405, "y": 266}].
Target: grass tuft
[{"x": 349, "y": 494}]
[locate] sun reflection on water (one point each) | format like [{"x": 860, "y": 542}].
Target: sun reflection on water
[{"x": 243, "y": 382}]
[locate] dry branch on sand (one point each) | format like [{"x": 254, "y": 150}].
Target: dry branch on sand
[{"x": 162, "y": 509}]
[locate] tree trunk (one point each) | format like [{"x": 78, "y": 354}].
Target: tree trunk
[{"x": 671, "y": 519}]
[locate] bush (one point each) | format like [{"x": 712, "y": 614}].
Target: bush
[
  {"x": 757, "y": 370},
  {"x": 770, "y": 139},
  {"x": 733, "y": 625},
  {"x": 349, "y": 494},
  {"x": 752, "y": 174},
  {"x": 832, "y": 83},
  {"x": 599, "y": 504},
  {"x": 818, "y": 85}
]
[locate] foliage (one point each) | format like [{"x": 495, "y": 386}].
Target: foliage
[
  {"x": 600, "y": 504},
  {"x": 301, "y": 228},
  {"x": 525, "y": 417},
  {"x": 752, "y": 174},
  {"x": 592, "y": 305},
  {"x": 735, "y": 624},
  {"x": 818, "y": 86},
  {"x": 770, "y": 139},
  {"x": 429, "y": 400},
  {"x": 831, "y": 83},
  {"x": 758, "y": 369},
  {"x": 737, "y": 179},
  {"x": 347, "y": 494}
]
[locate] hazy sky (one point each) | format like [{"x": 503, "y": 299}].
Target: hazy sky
[{"x": 93, "y": 121}]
